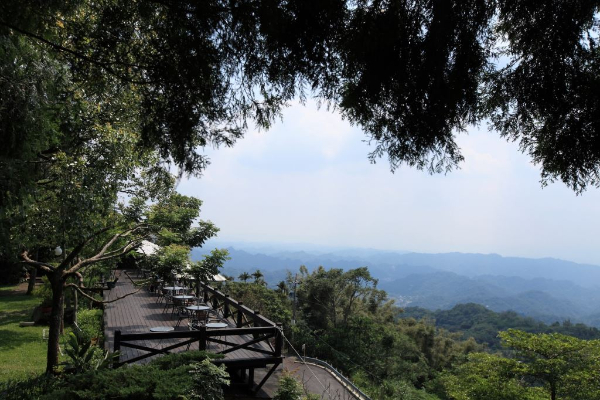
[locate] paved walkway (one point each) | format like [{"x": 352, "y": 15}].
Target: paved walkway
[{"x": 317, "y": 380}]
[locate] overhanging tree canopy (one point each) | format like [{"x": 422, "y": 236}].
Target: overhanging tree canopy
[{"x": 411, "y": 73}]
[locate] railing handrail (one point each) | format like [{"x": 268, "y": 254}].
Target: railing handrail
[
  {"x": 356, "y": 391},
  {"x": 192, "y": 333},
  {"x": 255, "y": 315},
  {"x": 201, "y": 335}
]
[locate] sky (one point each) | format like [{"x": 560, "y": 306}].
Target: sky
[{"x": 308, "y": 180}]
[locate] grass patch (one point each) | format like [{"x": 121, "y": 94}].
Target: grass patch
[{"x": 22, "y": 349}]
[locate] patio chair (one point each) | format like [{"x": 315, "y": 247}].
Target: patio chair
[
  {"x": 168, "y": 301},
  {"x": 162, "y": 292},
  {"x": 183, "y": 313}
]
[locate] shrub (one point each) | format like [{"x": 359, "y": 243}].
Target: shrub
[
  {"x": 169, "y": 377},
  {"x": 26, "y": 389},
  {"x": 172, "y": 361},
  {"x": 209, "y": 380},
  {"x": 85, "y": 357},
  {"x": 90, "y": 323},
  {"x": 289, "y": 388},
  {"x": 44, "y": 292}
]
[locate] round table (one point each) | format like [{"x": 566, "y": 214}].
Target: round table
[
  {"x": 198, "y": 308},
  {"x": 171, "y": 288},
  {"x": 183, "y": 297},
  {"x": 162, "y": 329},
  {"x": 216, "y": 325}
]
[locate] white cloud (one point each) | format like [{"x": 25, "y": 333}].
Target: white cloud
[{"x": 309, "y": 180}]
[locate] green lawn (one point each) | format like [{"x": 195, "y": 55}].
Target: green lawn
[{"x": 22, "y": 349}]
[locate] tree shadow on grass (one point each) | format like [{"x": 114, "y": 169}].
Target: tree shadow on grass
[
  {"x": 17, "y": 337},
  {"x": 15, "y": 316}
]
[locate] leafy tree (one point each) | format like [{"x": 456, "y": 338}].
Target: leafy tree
[
  {"x": 568, "y": 367},
  {"x": 488, "y": 377},
  {"x": 282, "y": 288},
  {"x": 244, "y": 276},
  {"x": 544, "y": 366},
  {"x": 411, "y": 74},
  {"x": 258, "y": 277},
  {"x": 271, "y": 304},
  {"x": 328, "y": 297}
]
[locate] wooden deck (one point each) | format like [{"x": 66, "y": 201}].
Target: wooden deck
[{"x": 137, "y": 313}]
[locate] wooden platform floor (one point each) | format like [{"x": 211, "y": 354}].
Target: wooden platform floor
[{"x": 139, "y": 312}]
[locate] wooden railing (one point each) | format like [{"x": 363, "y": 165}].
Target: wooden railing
[
  {"x": 230, "y": 308},
  {"x": 251, "y": 332},
  {"x": 264, "y": 341}
]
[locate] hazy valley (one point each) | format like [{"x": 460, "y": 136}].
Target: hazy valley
[{"x": 546, "y": 289}]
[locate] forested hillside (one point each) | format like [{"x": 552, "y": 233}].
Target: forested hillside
[
  {"x": 343, "y": 318},
  {"x": 483, "y": 324}
]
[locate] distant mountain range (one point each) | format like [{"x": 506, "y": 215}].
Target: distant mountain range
[{"x": 546, "y": 289}]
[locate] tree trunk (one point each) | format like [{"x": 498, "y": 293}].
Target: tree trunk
[
  {"x": 31, "y": 283},
  {"x": 58, "y": 301},
  {"x": 75, "y": 305}
]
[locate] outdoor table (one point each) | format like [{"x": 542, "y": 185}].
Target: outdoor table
[
  {"x": 172, "y": 288},
  {"x": 184, "y": 297},
  {"x": 216, "y": 325},
  {"x": 162, "y": 329},
  {"x": 198, "y": 308}
]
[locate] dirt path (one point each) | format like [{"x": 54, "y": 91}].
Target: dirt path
[{"x": 20, "y": 289}]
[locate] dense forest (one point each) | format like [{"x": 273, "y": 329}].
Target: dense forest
[
  {"x": 482, "y": 324},
  {"x": 465, "y": 353}
]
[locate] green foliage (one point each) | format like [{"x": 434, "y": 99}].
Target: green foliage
[
  {"x": 482, "y": 324},
  {"x": 390, "y": 358},
  {"x": 170, "y": 260},
  {"x": 210, "y": 264},
  {"x": 209, "y": 380},
  {"x": 83, "y": 356},
  {"x": 488, "y": 377},
  {"x": 273, "y": 305},
  {"x": 172, "y": 361},
  {"x": 544, "y": 366},
  {"x": 173, "y": 376},
  {"x": 411, "y": 74},
  {"x": 27, "y": 389},
  {"x": 90, "y": 323},
  {"x": 329, "y": 297},
  {"x": 288, "y": 388},
  {"x": 44, "y": 292},
  {"x": 567, "y": 366}
]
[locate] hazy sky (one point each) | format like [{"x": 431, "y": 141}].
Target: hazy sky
[{"x": 308, "y": 180}]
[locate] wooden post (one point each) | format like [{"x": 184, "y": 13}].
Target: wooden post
[
  {"x": 251, "y": 377},
  {"x": 240, "y": 314},
  {"x": 205, "y": 295},
  {"x": 256, "y": 324},
  {"x": 257, "y": 313},
  {"x": 117, "y": 345},
  {"x": 226, "y": 307},
  {"x": 202, "y": 339},
  {"x": 278, "y": 340}
]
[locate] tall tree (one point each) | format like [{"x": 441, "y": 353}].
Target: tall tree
[
  {"x": 258, "y": 276},
  {"x": 411, "y": 74},
  {"x": 329, "y": 297}
]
